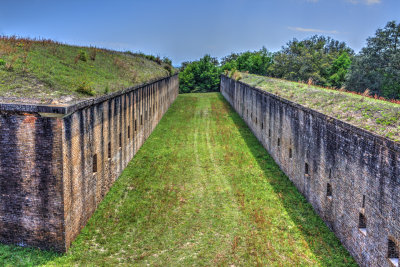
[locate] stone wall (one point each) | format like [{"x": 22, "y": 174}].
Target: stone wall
[
  {"x": 350, "y": 176},
  {"x": 58, "y": 162}
]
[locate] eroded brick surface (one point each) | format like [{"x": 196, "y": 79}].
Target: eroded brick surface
[
  {"x": 362, "y": 169},
  {"x": 55, "y": 170}
]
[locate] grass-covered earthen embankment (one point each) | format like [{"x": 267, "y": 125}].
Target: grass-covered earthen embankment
[
  {"x": 377, "y": 116},
  {"x": 45, "y": 71}
]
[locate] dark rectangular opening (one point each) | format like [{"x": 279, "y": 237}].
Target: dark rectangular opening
[
  {"x": 256, "y": 120},
  {"x": 393, "y": 252},
  {"x": 135, "y": 125},
  {"x": 363, "y": 202},
  {"x": 279, "y": 142},
  {"x": 129, "y": 132},
  {"x": 94, "y": 163},
  {"x": 141, "y": 119},
  {"x": 306, "y": 170},
  {"x": 362, "y": 221},
  {"x": 328, "y": 190},
  {"x": 269, "y": 133},
  {"x": 120, "y": 140},
  {"x": 290, "y": 153},
  {"x": 262, "y": 126},
  {"x": 109, "y": 150}
]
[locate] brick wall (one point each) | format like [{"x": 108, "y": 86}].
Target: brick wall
[
  {"x": 58, "y": 162},
  {"x": 108, "y": 135},
  {"x": 350, "y": 176},
  {"x": 31, "y": 208}
]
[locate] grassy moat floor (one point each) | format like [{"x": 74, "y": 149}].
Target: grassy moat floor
[{"x": 201, "y": 191}]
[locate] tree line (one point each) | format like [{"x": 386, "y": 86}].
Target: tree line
[{"x": 319, "y": 60}]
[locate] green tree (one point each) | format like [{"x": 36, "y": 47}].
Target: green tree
[
  {"x": 377, "y": 67},
  {"x": 309, "y": 59},
  {"x": 338, "y": 70},
  {"x": 257, "y": 62},
  {"x": 200, "y": 76}
]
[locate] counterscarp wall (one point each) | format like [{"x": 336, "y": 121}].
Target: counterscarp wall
[
  {"x": 350, "y": 176},
  {"x": 58, "y": 162}
]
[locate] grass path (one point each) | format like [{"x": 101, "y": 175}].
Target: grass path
[{"x": 201, "y": 191}]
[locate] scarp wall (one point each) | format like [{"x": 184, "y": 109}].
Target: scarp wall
[
  {"x": 58, "y": 162},
  {"x": 350, "y": 176}
]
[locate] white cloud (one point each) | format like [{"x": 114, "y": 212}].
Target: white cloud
[
  {"x": 366, "y": 2},
  {"x": 299, "y": 29}
]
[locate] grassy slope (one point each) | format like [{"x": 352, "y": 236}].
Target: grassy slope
[
  {"x": 201, "y": 191},
  {"x": 380, "y": 117},
  {"x": 42, "y": 71}
]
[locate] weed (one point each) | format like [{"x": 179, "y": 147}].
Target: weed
[
  {"x": 168, "y": 68},
  {"x": 85, "y": 87},
  {"x": 2, "y": 62},
  {"x": 106, "y": 89},
  {"x": 93, "y": 53},
  {"x": 83, "y": 56}
]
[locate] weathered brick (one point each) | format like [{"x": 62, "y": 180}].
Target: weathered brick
[
  {"x": 354, "y": 162},
  {"x": 48, "y": 187}
]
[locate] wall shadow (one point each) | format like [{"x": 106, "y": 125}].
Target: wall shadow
[{"x": 297, "y": 207}]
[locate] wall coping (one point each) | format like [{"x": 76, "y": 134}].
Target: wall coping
[
  {"x": 65, "y": 109},
  {"x": 381, "y": 140}
]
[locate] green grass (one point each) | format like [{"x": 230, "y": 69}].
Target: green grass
[
  {"x": 377, "y": 116},
  {"x": 201, "y": 191},
  {"x": 46, "y": 71}
]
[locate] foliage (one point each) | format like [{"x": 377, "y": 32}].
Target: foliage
[
  {"x": 167, "y": 61},
  {"x": 200, "y": 76},
  {"x": 338, "y": 70},
  {"x": 257, "y": 62},
  {"x": 83, "y": 55},
  {"x": 85, "y": 87},
  {"x": 312, "y": 59},
  {"x": 377, "y": 67},
  {"x": 2, "y": 62}
]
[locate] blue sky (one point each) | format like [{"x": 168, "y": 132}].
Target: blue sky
[{"x": 186, "y": 30}]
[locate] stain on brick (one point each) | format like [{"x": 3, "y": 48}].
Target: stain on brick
[
  {"x": 55, "y": 170},
  {"x": 353, "y": 175}
]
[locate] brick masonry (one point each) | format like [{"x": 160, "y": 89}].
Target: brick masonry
[
  {"x": 349, "y": 175},
  {"x": 58, "y": 162}
]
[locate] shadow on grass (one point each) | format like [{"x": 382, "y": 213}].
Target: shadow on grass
[{"x": 320, "y": 239}]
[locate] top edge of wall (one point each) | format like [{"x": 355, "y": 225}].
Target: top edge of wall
[
  {"x": 381, "y": 140},
  {"x": 64, "y": 109}
]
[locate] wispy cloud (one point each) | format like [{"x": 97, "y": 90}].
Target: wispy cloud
[
  {"x": 299, "y": 29},
  {"x": 366, "y": 2}
]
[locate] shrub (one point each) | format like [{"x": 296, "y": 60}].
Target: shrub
[
  {"x": 93, "y": 53},
  {"x": 167, "y": 61},
  {"x": 2, "y": 62},
  {"x": 85, "y": 87},
  {"x": 158, "y": 60},
  {"x": 169, "y": 69},
  {"x": 83, "y": 55}
]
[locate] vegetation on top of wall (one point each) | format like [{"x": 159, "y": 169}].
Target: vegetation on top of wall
[
  {"x": 363, "y": 110},
  {"x": 45, "y": 71}
]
